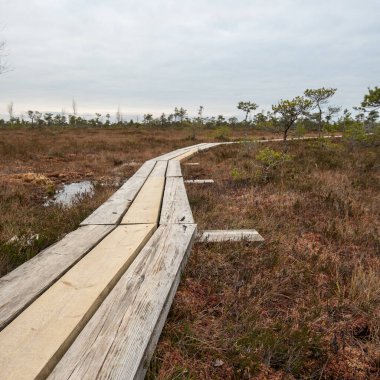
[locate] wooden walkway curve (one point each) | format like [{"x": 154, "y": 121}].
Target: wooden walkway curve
[{"x": 93, "y": 305}]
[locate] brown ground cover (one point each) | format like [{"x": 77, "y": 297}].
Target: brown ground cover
[{"x": 304, "y": 304}]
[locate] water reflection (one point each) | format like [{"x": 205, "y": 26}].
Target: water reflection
[{"x": 71, "y": 192}]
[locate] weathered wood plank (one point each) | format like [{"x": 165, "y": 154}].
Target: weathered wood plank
[
  {"x": 178, "y": 152},
  {"x": 21, "y": 287},
  {"x": 199, "y": 181},
  {"x": 185, "y": 155},
  {"x": 228, "y": 235},
  {"x": 120, "y": 338},
  {"x": 208, "y": 146},
  {"x": 174, "y": 169},
  {"x": 111, "y": 211},
  {"x": 171, "y": 155},
  {"x": 202, "y": 145},
  {"x": 191, "y": 163},
  {"x": 146, "y": 206},
  {"x": 159, "y": 169},
  {"x": 32, "y": 344},
  {"x": 175, "y": 205},
  {"x": 145, "y": 169}
]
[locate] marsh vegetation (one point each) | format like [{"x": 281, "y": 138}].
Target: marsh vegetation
[{"x": 304, "y": 304}]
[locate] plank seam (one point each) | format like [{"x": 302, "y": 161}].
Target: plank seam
[
  {"x": 118, "y": 221},
  {"x": 149, "y": 350},
  {"x": 34, "y": 298}
]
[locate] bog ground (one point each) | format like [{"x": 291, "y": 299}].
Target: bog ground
[{"x": 303, "y": 304}]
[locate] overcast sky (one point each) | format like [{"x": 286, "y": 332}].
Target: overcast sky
[{"x": 153, "y": 55}]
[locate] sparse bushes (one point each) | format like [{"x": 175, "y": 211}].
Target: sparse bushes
[
  {"x": 223, "y": 133},
  {"x": 300, "y": 130},
  {"x": 270, "y": 160},
  {"x": 236, "y": 175},
  {"x": 326, "y": 154},
  {"x": 355, "y": 133}
]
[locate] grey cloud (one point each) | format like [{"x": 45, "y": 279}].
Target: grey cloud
[{"x": 155, "y": 54}]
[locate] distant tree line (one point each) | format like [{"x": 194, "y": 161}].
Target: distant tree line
[{"x": 309, "y": 112}]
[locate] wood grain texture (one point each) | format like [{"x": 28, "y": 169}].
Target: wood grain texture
[
  {"x": 209, "y": 145},
  {"x": 34, "y": 342},
  {"x": 228, "y": 235},
  {"x": 199, "y": 181},
  {"x": 119, "y": 339},
  {"x": 171, "y": 155},
  {"x": 159, "y": 169},
  {"x": 178, "y": 152},
  {"x": 111, "y": 211},
  {"x": 146, "y": 206},
  {"x": 145, "y": 169},
  {"x": 185, "y": 155},
  {"x": 21, "y": 287},
  {"x": 202, "y": 145},
  {"x": 174, "y": 169},
  {"x": 175, "y": 205}
]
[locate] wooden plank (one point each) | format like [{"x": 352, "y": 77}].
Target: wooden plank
[
  {"x": 145, "y": 169},
  {"x": 160, "y": 169},
  {"x": 191, "y": 163},
  {"x": 175, "y": 205},
  {"x": 34, "y": 342},
  {"x": 174, "y": 169},
  {"x": 178, "y": 152},
  {"x": 171, "y": 155},
  {"x": 199, "y": 181},
  {"x": 202, "y": 145},
  {"x": 119, "y": 340},
  {"x": 208, "y": 146},
  {"x": 21, "y": 287},
  {"x": 111, "y": 211},
  {"x": 146, "y": 206},
  {"x": 229, "y": 235},
  {"x": 185, "y": 155}
]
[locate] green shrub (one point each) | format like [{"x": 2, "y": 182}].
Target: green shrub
[
  {"x": 223, "y": 133},
  {"x": 235, "y": 174},
  {"x": 270, "y": 158},
  {"x": 269, "y": 161},
  {"x": 374, "y": 137},
  {"x": 300, "y": 130},
  {"x": 355, "y": 133},
  {"x": 325, "y": 153},
  {"x": 331, "y": 128}
]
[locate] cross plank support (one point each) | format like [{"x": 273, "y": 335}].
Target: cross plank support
[
  {"x": 199, "y": 181},
  {"x": 212, "y": 236}
]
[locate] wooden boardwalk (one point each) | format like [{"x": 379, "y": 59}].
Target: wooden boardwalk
[{"x": 93, "y": 305}]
